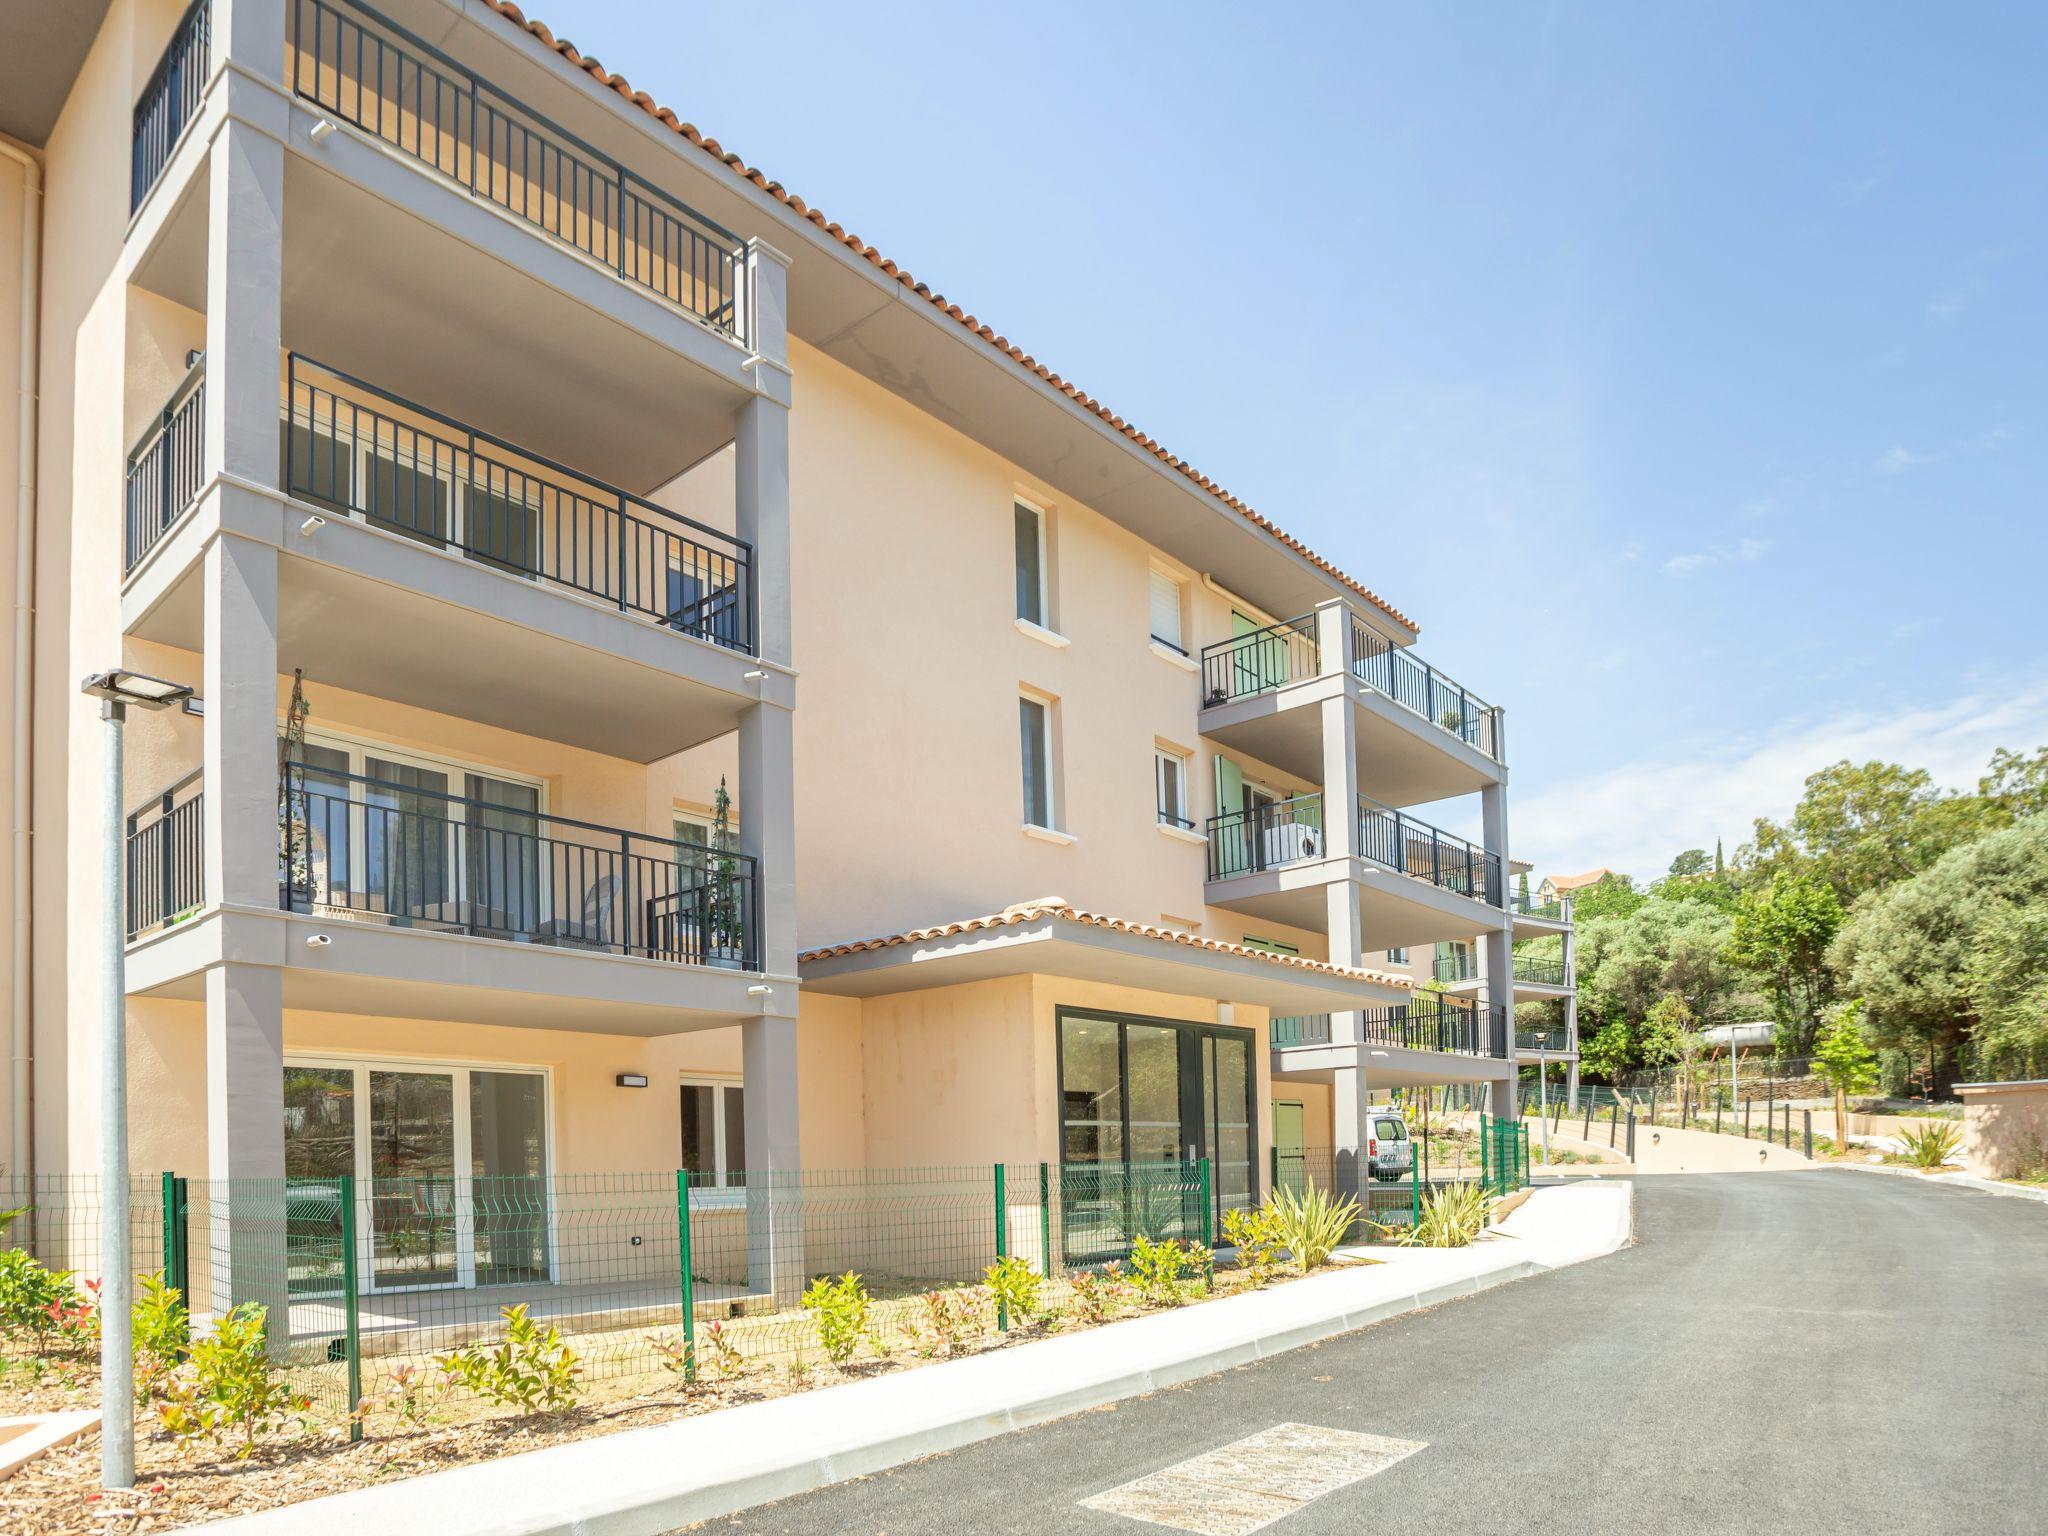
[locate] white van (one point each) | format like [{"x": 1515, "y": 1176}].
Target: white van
[{"x": 1389, "y": 1154}]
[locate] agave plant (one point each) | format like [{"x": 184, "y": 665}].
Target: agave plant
[
  {"x": 1930, "y": 1143},
  {"x": 1452, "y": 1217},
  {"x": 1311, "y": 1224}
]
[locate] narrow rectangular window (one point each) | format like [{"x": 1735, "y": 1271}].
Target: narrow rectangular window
[
  {"x": 1031, "y": 564},
  {"x": 1035, "y": 731},
  {"x": 1397, "y": 957},
  {"x": 1170, "y": 770},
  {"x": 714, "y": 1133},
  {"x": 1165, "y": 602}
]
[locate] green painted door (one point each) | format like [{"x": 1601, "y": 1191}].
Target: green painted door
[{"x": 1289, "y": 1157}]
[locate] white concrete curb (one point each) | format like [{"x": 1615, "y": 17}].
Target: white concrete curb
[{"x": 643, "y": 1481}]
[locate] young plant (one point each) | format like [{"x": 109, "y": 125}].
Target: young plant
[
  {"x": 1930, "y": 1143},
  {"x": 163, "y": 1333},
  {"x": 530, "y": 1369},
  {"x": 840, "y": 1308},
  {"x": 228, "y": 1384},
  {"x": 1253, "y": 1235},
  {"x": 1311, "y": 1224},
  {"x": 32, "y": 1296},
  {"x": 411, "y": 1393},
  {"x": 1096, "y": 1297},
  {"x": 1157, "y": 1268},
  {"x": 1452, "y": 1217},
  {"x": 946, "y": 1322},
  {"x": 1015, "y": 1285}
]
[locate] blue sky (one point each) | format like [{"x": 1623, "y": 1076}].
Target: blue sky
[{"x": 1683, "y": 369}]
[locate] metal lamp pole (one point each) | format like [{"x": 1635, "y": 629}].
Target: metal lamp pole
[
  {"x": 1543, "y": 1092},
  {"x": 116, "y": 691}
]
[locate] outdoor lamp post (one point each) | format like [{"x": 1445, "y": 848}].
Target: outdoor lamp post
[
  {"x": 116, "y": 691},
  {"x": 1543, "y": 1092}
]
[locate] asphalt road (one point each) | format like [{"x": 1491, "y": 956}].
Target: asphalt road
[{"x": 1813, "y": 1352}]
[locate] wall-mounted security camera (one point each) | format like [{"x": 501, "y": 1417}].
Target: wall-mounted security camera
[{"x": 318, "y": 941}]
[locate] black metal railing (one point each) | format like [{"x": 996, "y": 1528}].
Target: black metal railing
[
  {"x": 1455, "y": 967},
  {"x": 369, "y": 72},
  {"x": 415, "y": 857},
  {"x": 1543, "y": 971},
  {"x": 165, "y": 468},
  {"x": 1528, "y": 906},
  {"x": 1269, "y": 836},
  {"x": 1548, "y": 1041},
  {"x": 367, "y": 453},
  {"x": 1261, "y": 660},
  {"x": 1414, "y": 684},
  {"x": 1439, "y": 1024},
  {"x": 170, "y": 99},
  {"x": 165, "y": 857},
  {"x": 1299, "y": 1029},
  {"x": 1398, "y": 842}
]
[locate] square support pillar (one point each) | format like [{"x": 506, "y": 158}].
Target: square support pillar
[
  {"x": 239, "y": 731},
  {"x": 244, "y": 302},
  {"x": 253, "y": 33},
  {"x": 1346, "y": 948},
  {"x": 245, "y": 1136},
  {"x": 767, "y": 796},
  {"x": 1350, "y": 1116},
  {"x": 775, "y": 1193}
]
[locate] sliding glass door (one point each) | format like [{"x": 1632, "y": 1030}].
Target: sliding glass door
[
  {"x": 451, "y": 1171},
  {"x": 1141, "y": 1099}
]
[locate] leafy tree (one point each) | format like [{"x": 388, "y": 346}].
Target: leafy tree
[
  {"x": 1862, "y": 827},
  {"x": 1935, "y": 954},
  {"x": 1843, "y": 1059},
  {"x": 1610, "y": 1051},
  {"x": 1782, "y": 932},
  {"x": 1522, "y": 890},
  {"x": 1612, "y": 895},
  {"x": 1689, "y": 864},
  {"x": 2016, "y": 783},
  {"x": 1661, "y": 947},
  {"x": 2008, "y": 977}
]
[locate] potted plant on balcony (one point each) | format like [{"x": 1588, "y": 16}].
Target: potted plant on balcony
[{"x": 726, "y": 906}]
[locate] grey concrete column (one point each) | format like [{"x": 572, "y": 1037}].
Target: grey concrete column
[
  {"x": 775, "y": 1217},
  {"x": 1571, "y": 1001},
  {"x": 244, "y": 287},
  {"x": 244, "y": 1136},
  {"x": 1350, "y": 1114},
  {"x": 1497, "y": 944},
  {"x": 761, "y": 450},
  {"x": 1333, "y": 638},
  {"x": 767, "y": 830},
  {"x": 253, "y": 34},
  {"x": 1346, "y": 948},
  {"x": 239, "y": 733}
]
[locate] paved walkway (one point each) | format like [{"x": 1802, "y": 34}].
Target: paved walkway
[{"x": 1806, "y": 1351}]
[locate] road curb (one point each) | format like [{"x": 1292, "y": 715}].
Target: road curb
[{"x": 642, "y": 1482}]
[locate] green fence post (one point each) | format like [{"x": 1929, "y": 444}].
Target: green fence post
[
  {"x": 1045, "y": 1218},
  {"x": 1208, "y": 1223},
  {"x": 1485, "y": 1139},
  {"x": 1002, "y": 1247},
  {"x": 352, "y": 1318},
  {"x": 688, "y": 1281},
  {"x": 177, "y": 1242},
  {"x": 1414, "y": 1188},
  {"x": 1273, "y": 1184}
]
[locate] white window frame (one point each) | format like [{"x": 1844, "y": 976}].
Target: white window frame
[
  {"x": 721, "y": 1191},
  {"x": 1045, "y": 767},
  {"x": 1039, "y": 517},
  {"x": 1398, "y": 955},
  {"x": 465, "y": 1194},
  {"x": 1167, "y": 763}
]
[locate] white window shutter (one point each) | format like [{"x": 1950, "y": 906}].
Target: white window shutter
[{"x": 1165, "y": 608}]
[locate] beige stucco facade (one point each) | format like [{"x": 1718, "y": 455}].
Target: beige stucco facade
[
  {"x": 867, "y": 456},
  {"x": 2005, "y": 1128}
]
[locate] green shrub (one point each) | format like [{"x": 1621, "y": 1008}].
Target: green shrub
[
  {"x": 530, "y": 1369},
  {"x": 1452, "y": 1217},
  {"x": 1253, "y": 1234},
  {"x": 1157, "y": 1269},
  {"x": 1098, "y": 1297},
  {"x": 163, "y": 1334},
  {"x": 1015, "y": 1285},
  {"x": 945, "y": 1323},
  {"x": 840, "y": 1308},
  {"x": 227, "y": 1383},
  {"x": 32, "y": 1296},
  {"x": 1930, "y": 1144},
  {"x": 1311, "y": 1224}
]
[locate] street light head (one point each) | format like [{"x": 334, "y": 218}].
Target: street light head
[{"x": 135, "y": 688}]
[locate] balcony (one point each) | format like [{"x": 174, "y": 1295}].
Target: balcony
[
  {"x": 1445, "y": 1025},
  {"x": 1417, "y": 885},
  {"x": 1539, "y": 971},
  {"x": 357, "y": 67},
  {"x": 1421, "y": 736},
  {"x": 164, "y": 858},
  {"x": 1536, "y": 919},
  {"x": 1461, "y": 969},
  {"x": 1548, "y": 1042},
  {"x": 169, "y": 101},
  {"x": 166, "y": 469}
]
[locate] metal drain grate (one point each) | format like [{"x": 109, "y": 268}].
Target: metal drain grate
[{"x": 1250, "y": 1483}]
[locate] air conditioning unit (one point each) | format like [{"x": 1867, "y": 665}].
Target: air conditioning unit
[{"x": 1290, "y": 843}]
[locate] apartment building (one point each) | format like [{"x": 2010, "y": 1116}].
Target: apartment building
[{"x": 668, "y": 688}]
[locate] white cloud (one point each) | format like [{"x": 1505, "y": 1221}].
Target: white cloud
[
  {"x": 1895, "y": 459},
  {"x": 1637, "y": 816},
  {"x": 1742, "y": 551}
]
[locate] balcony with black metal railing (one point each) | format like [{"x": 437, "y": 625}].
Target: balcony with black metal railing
[
  {"x": 1397, "y": 841},
  {"x": 358, "y": 67},
  {"x": 1445, "y": 1025},
  {"x": 357, "y": 849},
  {"x": 169, "y": 100},
  {"x": 1461, "y": 968},
  {"x": 166, "y": 468},
  {"x": 1546, "y": 1042},
  {"x": 1397, "y": 673}
]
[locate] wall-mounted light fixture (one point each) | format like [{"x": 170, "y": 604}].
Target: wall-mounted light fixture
[
  {"x": 631, "y": 1080},
  {"x": 321, "y": 129},
  {"x": 318, "y": 941}
]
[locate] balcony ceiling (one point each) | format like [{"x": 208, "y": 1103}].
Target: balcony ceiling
[{"x": 47, "y": 42}]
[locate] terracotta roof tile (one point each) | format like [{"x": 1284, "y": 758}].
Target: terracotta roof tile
[
  {"x": 858, "y": 247},
  {"x": 1031, "y": 911}
]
